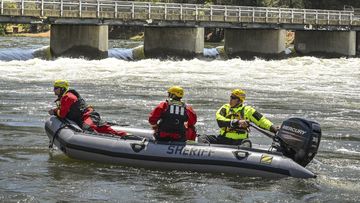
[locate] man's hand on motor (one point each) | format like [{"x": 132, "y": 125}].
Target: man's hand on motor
[{"x": 274, "y": 129}]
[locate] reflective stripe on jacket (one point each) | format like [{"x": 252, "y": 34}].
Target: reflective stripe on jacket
[{"x": 225, "y": 114}]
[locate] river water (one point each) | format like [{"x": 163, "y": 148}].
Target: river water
[{"x": 125, "y": 91}]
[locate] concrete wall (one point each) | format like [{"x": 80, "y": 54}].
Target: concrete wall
[
  {"x": 181, "y": 42},
  {"x": 89, "y": 41},
  {"x": 325, "y": 43},
  {"x": 256, "y": 42}
]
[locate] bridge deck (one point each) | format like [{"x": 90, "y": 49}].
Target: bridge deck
[{"x": 125, "y": 12}]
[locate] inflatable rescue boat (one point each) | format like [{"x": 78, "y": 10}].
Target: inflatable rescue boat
[{"x": 293, "y": 148}]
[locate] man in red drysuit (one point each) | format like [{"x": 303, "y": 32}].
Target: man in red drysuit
[
  {"x": 73, "y": 107},
  {"x": 172, "y": 119}
]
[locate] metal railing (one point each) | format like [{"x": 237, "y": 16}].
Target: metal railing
[{"x": 126, "y": 10}]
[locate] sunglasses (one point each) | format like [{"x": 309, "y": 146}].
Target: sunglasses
[{"x": 233, "y": 97}]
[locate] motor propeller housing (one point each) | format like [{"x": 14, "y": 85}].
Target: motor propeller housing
[{"x": 299, "y": 139}]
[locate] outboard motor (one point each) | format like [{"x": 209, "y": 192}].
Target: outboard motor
[{"x": 299, "y": 139}]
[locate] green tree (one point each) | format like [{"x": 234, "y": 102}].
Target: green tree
[{"x": 2, "y": 29}]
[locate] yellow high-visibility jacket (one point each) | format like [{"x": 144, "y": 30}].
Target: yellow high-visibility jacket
[{"x": 242, "y": 112}]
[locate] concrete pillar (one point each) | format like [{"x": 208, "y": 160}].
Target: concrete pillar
[
  {"x": 89, "y": 41},
  {"x": 181, "y": 42},
  {"x": 325, "y": 43},
  {"x": 257, "y": 42},
  {"x": 357, "y": 43}
]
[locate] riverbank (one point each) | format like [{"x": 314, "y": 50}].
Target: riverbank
[{"x": 40, "y": 34}]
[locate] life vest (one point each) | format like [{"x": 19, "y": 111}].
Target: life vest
[
  {"x": 173, "y": 119},
  {"x": 77, "y": 109},
  {"x": 234, "y": 133}
]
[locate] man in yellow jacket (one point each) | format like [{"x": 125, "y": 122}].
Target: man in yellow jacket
[{"x": 233, "y": 119}]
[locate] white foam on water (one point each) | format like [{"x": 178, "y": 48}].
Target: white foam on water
[
  {"x": 337, "y": 78},
  {"x": 325, "y": 89},
  {"x": 348, "y": 152}
]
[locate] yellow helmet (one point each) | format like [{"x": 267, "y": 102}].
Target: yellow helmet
[
  {"x": 177, "y": 91},
  {"x": 62, "y": 84},
  {"x": 239, "y": 93}
]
